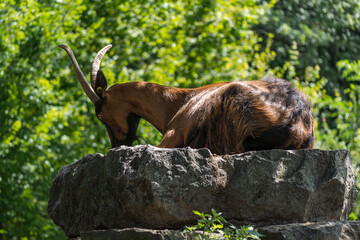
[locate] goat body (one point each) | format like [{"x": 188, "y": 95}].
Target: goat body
[{"x": 232, "y": 117}]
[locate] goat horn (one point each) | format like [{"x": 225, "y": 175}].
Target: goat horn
[
  {"x": 96, "y": 64},
  {"x": 84, "y": 83}
]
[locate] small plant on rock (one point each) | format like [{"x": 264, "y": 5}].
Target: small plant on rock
[{"x": 212, "y": 227}]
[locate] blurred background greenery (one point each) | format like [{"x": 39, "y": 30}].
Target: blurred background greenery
[{"x": 47, "y": 121}]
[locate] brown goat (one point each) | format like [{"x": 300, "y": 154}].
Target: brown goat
[{"x": 231, "y": 117}]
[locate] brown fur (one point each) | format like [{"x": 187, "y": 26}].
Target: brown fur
[
  {"x": 242, "y": 116},
  {"x": 224, "y": 117}
]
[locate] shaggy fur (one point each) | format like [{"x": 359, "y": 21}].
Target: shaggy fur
[{"x": 249, "y": 115}]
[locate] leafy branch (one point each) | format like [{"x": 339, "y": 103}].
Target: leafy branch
[{"x": 212, "y": 227}]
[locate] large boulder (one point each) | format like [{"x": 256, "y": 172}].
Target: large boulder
[{"x": 149, "y": 187}]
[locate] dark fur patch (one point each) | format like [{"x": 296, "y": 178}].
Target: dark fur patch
[
  {"x": 308, "y": 142},
  {"x": 133, "y": 123},
  {"x": 98, "y": 107},
  {"x": 197, "y": 137},
  {"x": 270, "y": 139}
]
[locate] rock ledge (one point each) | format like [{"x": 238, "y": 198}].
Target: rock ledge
[
  {"x": 149, "y": 187},
  {"x": 295, "y": 231}
]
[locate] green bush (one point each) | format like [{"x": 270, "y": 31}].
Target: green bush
[{"x": 212, "y": 227}]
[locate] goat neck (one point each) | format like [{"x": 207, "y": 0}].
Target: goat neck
[{"x": 155, "y": 103}]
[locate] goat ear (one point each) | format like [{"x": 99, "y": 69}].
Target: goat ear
[{"x": 100, "y": 84}]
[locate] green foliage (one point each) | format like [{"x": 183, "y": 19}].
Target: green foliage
[
  {"x": 326, "y": 31},
  {"x": 47, "y": 121},
  {"x": 44, "y": 113},
  {"x": 212, "y": 227}
]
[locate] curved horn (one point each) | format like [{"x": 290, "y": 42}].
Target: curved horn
[
  {"x": 84, "y": 83},
  {"x": 96, "y": 64}
]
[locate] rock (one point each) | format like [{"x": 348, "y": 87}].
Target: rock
[
  {"x": 134, "y": 233},
  {"x": 149, "y": 187},
  {"x": 281, "y": 186},
  {"x": 312, "y": 231},
  {"x": 294, "y": 231}
]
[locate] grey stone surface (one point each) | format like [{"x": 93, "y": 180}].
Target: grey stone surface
[
  {"x": 294, "y": 231},
  {"x": 313, "y": 231},
  {"x": 290, "y": 186},
  {"x": 149, "y": 187},
  {"x": 134, "y": 233}
]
